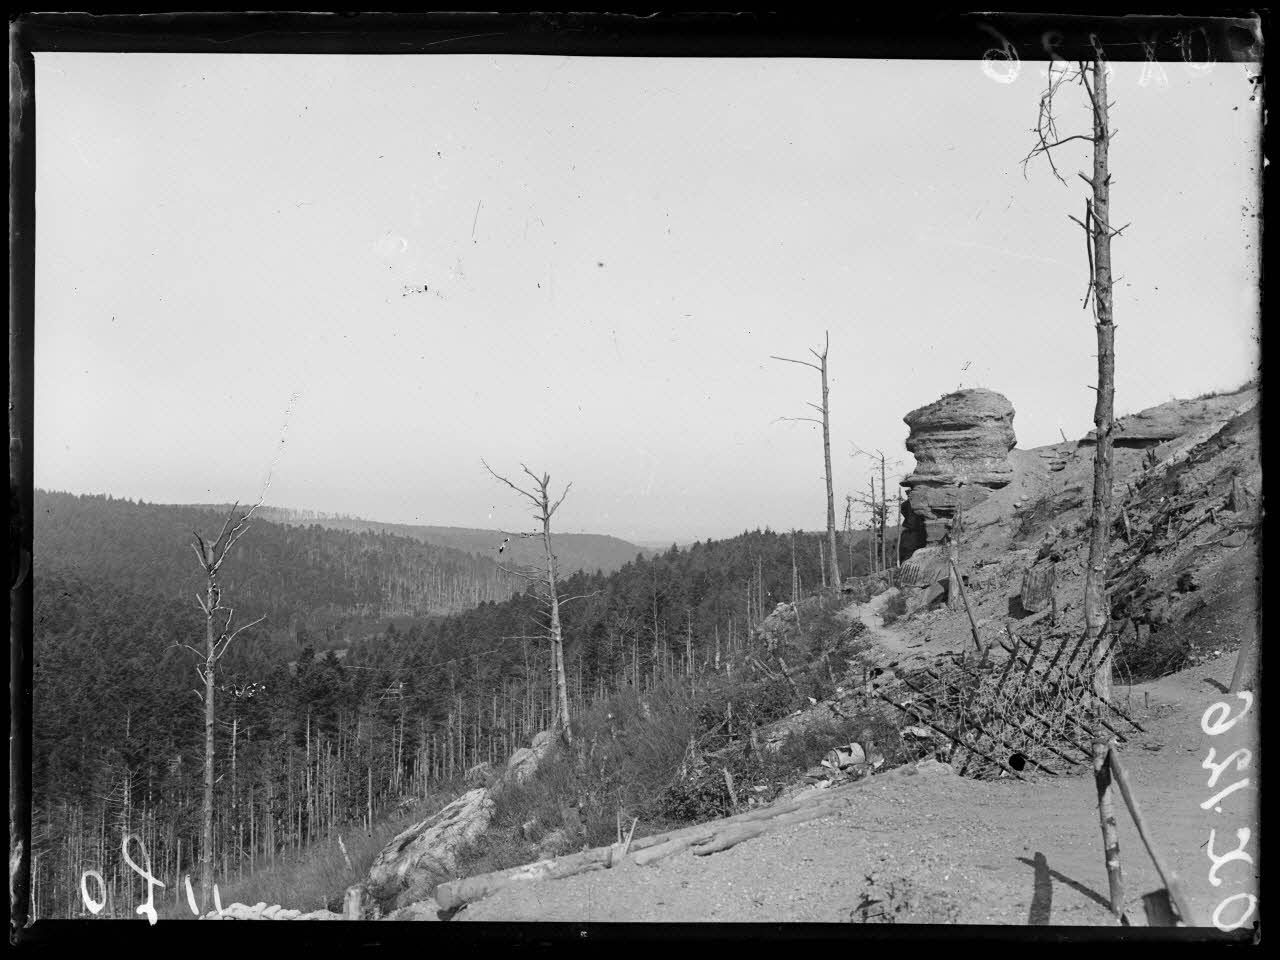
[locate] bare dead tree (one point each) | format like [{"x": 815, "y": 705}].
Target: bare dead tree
[
  {"x": 897, "y": 550},
  {"x": 824, "y": 409},
  {"x": 1092, "y": 76},
  {"x": 848, "y": 528},
  {"x": 218, "y": 636},
  {"x": 795, "y": 573},
  {"x": 544, "y": 509},
  {"x": 879, "y": 510}
]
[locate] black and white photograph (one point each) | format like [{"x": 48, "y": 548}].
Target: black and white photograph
[{"x": 541, "y": 473}]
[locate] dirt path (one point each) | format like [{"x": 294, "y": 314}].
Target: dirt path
[
  {"x": 944, "y": 849},
  {"x": 892, "y": 644}
]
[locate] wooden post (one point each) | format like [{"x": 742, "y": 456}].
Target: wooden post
[
  {"x": 1245, "y": 675},
  {"x": 973, "y": 626},
  {"x": 1107, "y": 820},
  {"x": 1167, "y": 875}
]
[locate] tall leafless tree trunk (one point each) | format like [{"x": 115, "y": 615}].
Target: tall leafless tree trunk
[
  {"x": 217, "y": 638},
  {"x": 871, "y": 527},
  {"x": 795, "y": 575},
  {"x": 897, "y": 550},
  {"x": 884, "y": 516},
  {"x": 1098, "y": 233},
  {"x": 1096, "y": 608},
  {"x": 824, "y": 409},
  {"x": 848, "y": 528},
  {"x": 541, "y": 500}
]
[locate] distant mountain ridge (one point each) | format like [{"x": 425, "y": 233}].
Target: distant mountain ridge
[
  {"x": 589, "y": 552},
  {"x": 293, "y": 573}
]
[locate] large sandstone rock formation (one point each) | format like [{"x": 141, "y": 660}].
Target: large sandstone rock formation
[
  {"x": 408, "y": 869},
  {"x": 423, "y": 855},
  {"x": 961, "y": 444}
]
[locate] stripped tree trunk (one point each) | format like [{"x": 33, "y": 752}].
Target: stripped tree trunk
[
  {"x": 832, "y": 552},
  {"x": 557, "y": 640},
  {"x": 546, "y": 509},
  {"x": 1107, "y": 820},
  {"x": 884, "y": 516},
  {"x": 1096, "y": 608},
  {"x": 1098, "y": 233},
  {"x": 833, "y": 556},
  {"x": 218, "y": 635},
  {"x": 206, "y": 846}
]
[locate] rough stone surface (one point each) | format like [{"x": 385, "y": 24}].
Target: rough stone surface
[
  {"x": 1149, "y": 428},
  {"x": 961, "y": 444},
  {"x": 406, "y": 872},
  {"x": 426, "y": 852},
  {"x": 481, "y": 775},
  {"x": 523, "y": 763}
]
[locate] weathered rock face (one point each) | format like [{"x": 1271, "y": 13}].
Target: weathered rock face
[
  {"x": 425, "y": 854},
  {"x": 481, "y": 775},
  {"x": 961, "y": 444},
  {"x": 524, "y": 763}
]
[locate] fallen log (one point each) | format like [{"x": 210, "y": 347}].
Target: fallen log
[
  {"x": 764, "y": 813},
  {"x": 644, "y": 850},
  {"x": 458, "y": 892},
  {"x": 668, "y": 847},
  {"x": 724, "y": 839},
  {"x": 730, "y": 837}
]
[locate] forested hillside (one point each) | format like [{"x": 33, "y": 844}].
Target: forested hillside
[
  {"x": 300, "y": 578},
  {"x": 574, "y": 551},
  {"x": 333, "y": 741}
]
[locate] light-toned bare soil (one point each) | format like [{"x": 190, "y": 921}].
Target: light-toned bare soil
[{"x": 946, "y": 849}]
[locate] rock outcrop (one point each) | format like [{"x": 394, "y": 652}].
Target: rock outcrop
[
  {"x": 1150, "y": 428},
  {"x": 409, "y": 867},
  {"x": 407, "y": 871},
  {"x": 523, "y": 763},
  {"x": 961, "y": 444}
]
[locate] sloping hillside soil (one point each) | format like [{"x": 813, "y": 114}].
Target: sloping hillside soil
[{"x": 937, "y": 848}]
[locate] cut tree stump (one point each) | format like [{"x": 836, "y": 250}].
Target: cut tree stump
[{"x": 1037, "y": 587}]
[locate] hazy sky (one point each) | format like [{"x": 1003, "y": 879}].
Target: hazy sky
[{"x": 612, "y": 248}]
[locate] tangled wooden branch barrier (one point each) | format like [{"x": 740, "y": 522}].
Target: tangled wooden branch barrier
[{"x": 1001, "y": 720}]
